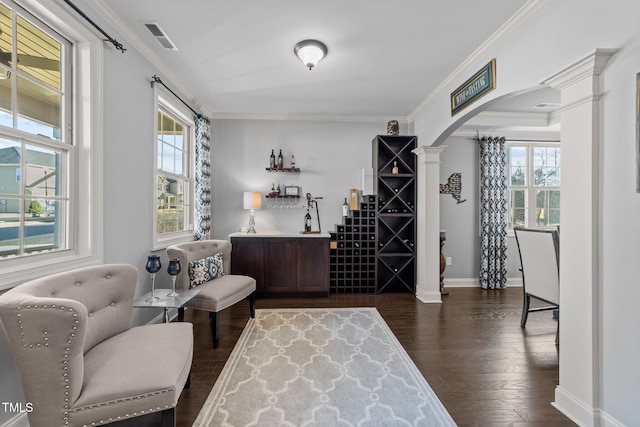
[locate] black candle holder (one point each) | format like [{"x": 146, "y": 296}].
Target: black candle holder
[
  {"x": 153, "y": 266},
  {"x": 173, "y": 269}
]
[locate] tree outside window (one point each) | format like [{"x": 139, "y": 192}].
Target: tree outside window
[{"x": 534, "y": 184}]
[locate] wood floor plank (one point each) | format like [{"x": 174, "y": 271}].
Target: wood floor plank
[{"x": 485, "y": 368}]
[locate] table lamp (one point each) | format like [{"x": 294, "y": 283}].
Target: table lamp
[{"x": 252, "y": 200}]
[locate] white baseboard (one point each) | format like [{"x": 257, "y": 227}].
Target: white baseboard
[
  {"x": 580, "y": 413},
  {"x": 607, "y": 420},
  {"x": 20, "y": 420},
  {"x": 475, "y": 283}
]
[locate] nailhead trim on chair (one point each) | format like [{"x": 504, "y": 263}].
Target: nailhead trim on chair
[
  {"x": 65, "y": 375},
  {"x": 72, "y": 335}
]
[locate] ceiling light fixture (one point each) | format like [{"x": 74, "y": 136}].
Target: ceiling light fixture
[{"x": 310, "y": 52}]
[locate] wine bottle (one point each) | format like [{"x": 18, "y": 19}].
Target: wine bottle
[
  {"x": 345, "y": 208},
  {"x": 293, "y": 162},
  {"x": 408, "y": 243},
  {"x": 280, "y": 160},
  {"x": 356, "y": 244},
  {"x": 307, "y": 221},
  {"x": 395, "y": 168},
  {"x": 272, "y": 160},
  {"x": 278, "y": 190},
  {"x": 380, "y": 245},
  {"x": 392, "y": 267}
]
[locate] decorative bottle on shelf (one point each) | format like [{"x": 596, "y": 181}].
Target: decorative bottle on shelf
[
  {"x": 345, "y": 208},
  {"x": 278, "y": 190},
  {"x": 293, "y": 162},
  {"x": 273, "y": 191},
  {"x": 395, "y": 168},
  {"x": 272, "y": 160},
  {"x": 307, "y": 221},
  {"x": 280, "y": 160}
]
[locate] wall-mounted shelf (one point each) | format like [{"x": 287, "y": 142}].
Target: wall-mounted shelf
[
  {"x": 296, "y": 170},
  {"x": 282, "y": 196}
]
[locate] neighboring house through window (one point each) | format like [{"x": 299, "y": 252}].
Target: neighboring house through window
[
  {"x": 533, "y": 181},
  {"x": 173, "y": 215},
  {"x": 39, "y": 203}
]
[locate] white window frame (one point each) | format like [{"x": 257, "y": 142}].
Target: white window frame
[
  {"x": 85, "y": 187},
  {"x": 168, "y": 102},
  {"x": 529, "y": 187}
]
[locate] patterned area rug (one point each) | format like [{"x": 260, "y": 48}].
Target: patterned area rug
[{"x": 320, "y": 367}]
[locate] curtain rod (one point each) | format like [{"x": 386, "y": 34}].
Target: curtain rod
[
  {"x": 113, "y": 41},
  {"x": 156, "y": 79}
]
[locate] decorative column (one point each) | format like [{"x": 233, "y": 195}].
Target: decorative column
[
  {"x": 578, "y": 394},
  {"x": 428, "y": 224}
]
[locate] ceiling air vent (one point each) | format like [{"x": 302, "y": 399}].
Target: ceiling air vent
[
  {"x": 160, "y": 35},
  {"x": 547, "y": 105}
]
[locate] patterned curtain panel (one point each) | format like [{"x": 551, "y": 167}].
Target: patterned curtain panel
[
  {"x": 203, "y": 179},
  {"x": 493, "y": 213}
]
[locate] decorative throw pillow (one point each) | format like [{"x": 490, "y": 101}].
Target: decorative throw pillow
[{"x": 203, "y": 270}]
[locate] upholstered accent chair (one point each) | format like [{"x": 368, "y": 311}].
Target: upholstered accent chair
[
  {"x": 80, "y": 361},
  {"x": 217, "y": 293},
  {"x": 540, "y": 260}
]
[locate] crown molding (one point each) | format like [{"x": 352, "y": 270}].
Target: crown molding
[
  {"x": 506, "y": 118},
  {"x": 546, "y": 136},
  {"x": 114, "y": 20},
  {"x": 307, "y": 117},
  {"x": 514, "y": 22}
]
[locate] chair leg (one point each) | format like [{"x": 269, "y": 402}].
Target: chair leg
[
  {"x": 525, "y": 309},
  {"x": 180, "y": 314},
  {"x": 215, "y": 327},
  {"x": 252, "y": 305},
  {"x": 169, "y": 417}
]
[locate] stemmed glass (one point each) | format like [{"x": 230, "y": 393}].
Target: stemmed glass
[
  {"x": 173, "y": 269},
  {"x": 153, "y": 266}
]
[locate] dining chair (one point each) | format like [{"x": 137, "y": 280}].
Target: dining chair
[{"x": 540, "y": 261}]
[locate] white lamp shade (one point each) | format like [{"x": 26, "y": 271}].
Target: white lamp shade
[
  {"x": 252, "y": 200},
  {"x": 310, "y": 52},
  {"x": 310, "y": 55}
]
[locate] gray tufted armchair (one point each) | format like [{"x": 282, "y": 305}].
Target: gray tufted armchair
[
  {"x": 80, "y": 361},
  {"x": 219, "y": 293}
]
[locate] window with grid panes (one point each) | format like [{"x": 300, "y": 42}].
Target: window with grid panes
[
  {"x": 533, "y": 181},
  {"x": 35, "y": 142},
  {"x": 174, "y": 174}
]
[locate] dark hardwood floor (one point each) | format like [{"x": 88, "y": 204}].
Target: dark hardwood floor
[{"x": 484, "y": 367}]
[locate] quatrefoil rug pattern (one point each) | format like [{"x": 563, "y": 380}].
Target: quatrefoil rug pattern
[{"x": 321, "y": 367}]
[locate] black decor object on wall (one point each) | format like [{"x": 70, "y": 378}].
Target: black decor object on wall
[{"x": 453, "y": 187}]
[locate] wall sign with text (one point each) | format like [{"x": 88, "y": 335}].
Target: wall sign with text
[{"x": 481, "y": 83}]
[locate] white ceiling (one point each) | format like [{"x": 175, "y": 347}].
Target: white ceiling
[{"x": 236, "y": 58}]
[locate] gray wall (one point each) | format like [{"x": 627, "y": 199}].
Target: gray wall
[
  {"x": 461, "y": 221},
  {"x": 331, "y": 156}
]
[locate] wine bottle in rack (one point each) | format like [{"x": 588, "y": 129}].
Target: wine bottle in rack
[
  {"x": 280, "y": 160},
  {"x": 395, "y": 168},
  {"x": 272, "y": 160},
  {"x": 393, "y": 267},
  {"x": 408, "y": 243}
]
